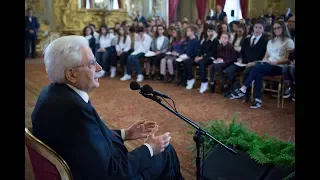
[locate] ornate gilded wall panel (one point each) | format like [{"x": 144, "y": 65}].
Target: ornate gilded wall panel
[{"x": 68, "y": 18}]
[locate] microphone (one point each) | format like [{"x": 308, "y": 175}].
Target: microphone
[
  {"x": 134, "y": 86},
  {"x": 147, "y": 89}
]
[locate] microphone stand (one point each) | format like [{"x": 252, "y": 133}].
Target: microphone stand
[{"x": 198, "y": 135}]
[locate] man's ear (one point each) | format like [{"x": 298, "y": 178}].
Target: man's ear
[{"x": 70, "y": 75}]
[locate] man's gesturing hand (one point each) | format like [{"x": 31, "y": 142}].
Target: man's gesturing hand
[{"x": 158, "y": 143}]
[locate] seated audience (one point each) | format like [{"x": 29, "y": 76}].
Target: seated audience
[
  {"x": 277, "y": 54},
  {"x": 88, "y": 34},
  {"x": 206, "y": 52},
  {"x": 105, "y": 48},
  {"x": 253, "y": 49},
  {"x": 226, "y": 56},
  {"x": 160, "y": 46},
  {"x": 142, "y": 45},
  {"x": 176, "y": 50},
  {"x": 239, "y": 37},
  {"x": 190, "y": 48},
  {"x": 122, "y": 50},
  {"x": 65, "y": 120}
]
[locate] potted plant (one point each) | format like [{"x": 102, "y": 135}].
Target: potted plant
[{"x": 266, "y": 150}]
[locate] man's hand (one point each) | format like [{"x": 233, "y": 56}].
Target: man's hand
[
  {"x": 158, "y": 143},
  {"x": 31, "y": 31},
  {"x": 197, "y": 59},
  {"x": 250, "y": 64},
  {"x": 139, "y": 130},
  {"x": 272, "y": 62},
  {"x": 119, "y": 53},
  {"x": 101, "y": 50},
  {"x": 174, "y": 53}
]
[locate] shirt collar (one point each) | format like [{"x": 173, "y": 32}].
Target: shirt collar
[{"x": 81, "y": 93}]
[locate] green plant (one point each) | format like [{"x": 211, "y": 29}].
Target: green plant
[{"x": 264, "y": 150}]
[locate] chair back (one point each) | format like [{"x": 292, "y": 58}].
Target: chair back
[{"x": 46, "y": 163}]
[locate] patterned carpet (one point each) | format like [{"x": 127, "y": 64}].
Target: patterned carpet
[{"x": 120, "y": 107}]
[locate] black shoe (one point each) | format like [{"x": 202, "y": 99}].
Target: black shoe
[
  {"x": 161, "y": 78},
  {"x": 294, "y": 97},
  {"x": 179, "y": 82},
  {"x": 287, "y": 93},
  {"x": 212, "y": 87},
  {"x": 237, "y": 94},
  {"x": 152, "y": 77},
  {"x": 170, "y": 78},
  {"x": 257, "y": 103}
]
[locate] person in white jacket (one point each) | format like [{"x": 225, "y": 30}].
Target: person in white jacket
[{"x": 141, "y": 47}]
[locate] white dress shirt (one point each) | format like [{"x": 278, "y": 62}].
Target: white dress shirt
[
  {"x": 123, "y": 46},
  {"x": 105, "y": 41},
  {"x": 160, "y": 40},
  {"x": 237, "y": 45},
  {"x": 85, "y": 97},
  {"x": 277, "y": 49},
  {"x": 142, "y": 46},
  {"x": 256, "y": 40},
  {"x": 96, "y": 36}
]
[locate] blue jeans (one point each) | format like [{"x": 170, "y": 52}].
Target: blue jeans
[
  {"x": 134, "y": 59},
  {"x": 289, "y": 73},
  {"x": 258, "y": 72},
  {"x": 230, "y": 73},
  {"x": 215, "y": 68},
  {"x": 103, "y": 59}
]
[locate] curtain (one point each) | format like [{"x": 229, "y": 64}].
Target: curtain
[
  {"x": 221, "y": 3},
  {"x": 201, "y": 6},
  {"x": 119, "y": 3},
  {"x": 173, "y": 4},
  {"x": 244, "y": 8}
]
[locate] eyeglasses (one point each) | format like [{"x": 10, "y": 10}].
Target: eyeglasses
[
  {"x": 291, "y": 21},
  {"x": 92, "y": 63}
]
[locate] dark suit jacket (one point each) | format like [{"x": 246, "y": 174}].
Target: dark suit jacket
[
  {"x": 34, "y": 24},
  {"x": 221, "y": 16},
  {"x": 72, "y": 127},
  {"x": 286, "y": 18}
]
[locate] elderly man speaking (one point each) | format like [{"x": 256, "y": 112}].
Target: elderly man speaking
[{"x": 64, "y": 119}]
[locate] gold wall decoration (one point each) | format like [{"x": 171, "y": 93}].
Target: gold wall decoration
[
  {"x": 259, "y": 7},
  {"x": 68, "y": 18},
  {"x": 71, "y": 19}
]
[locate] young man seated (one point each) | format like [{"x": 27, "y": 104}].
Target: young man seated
[
  {"x": 191, "y": 46},
  {"x": 141, "y": 46},
  {"x": 206, "y": 52},
  {"x": 253, "y": 49}
]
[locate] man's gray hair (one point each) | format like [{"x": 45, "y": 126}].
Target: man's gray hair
[{"x": 63, "y": 53}]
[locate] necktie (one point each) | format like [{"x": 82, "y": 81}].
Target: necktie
[{"x": 252, "y": 43}]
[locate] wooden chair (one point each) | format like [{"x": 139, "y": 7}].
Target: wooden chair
[
  {"x": 46, "y": 163},
  {"x": 270, "y": 80}
]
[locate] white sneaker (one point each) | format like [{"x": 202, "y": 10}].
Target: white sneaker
[
  {"x": 140, "y": 78},
  {"x": 126, "y": 77},
  {"x": 113, "y": 71},
  {"x": 204, "y": 87},
  {"x": 190, "y": 84}
]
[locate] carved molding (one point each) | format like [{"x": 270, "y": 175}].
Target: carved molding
[{"x": 70, "y": 18}]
